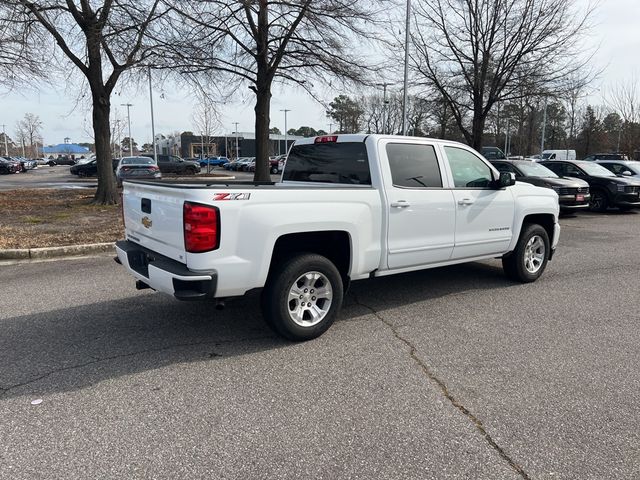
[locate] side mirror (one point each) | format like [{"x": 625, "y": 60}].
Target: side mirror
[
  {"x": 627, "y": 173},
  {"x": 506, "y": 179}
]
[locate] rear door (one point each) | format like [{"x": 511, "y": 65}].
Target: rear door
[
  {"x": 421, "y": 209},
  {"x": 484, "y": 215}
]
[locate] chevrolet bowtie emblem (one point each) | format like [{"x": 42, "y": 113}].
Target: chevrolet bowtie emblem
[{"x": 146, "y": 221}]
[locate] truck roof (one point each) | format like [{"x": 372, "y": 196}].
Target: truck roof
[{"x": 361, "y": 137}]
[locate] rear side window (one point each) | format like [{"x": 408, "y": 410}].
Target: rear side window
[
  {"x": 344, "y": 163},
  {"x": 413, "y": 166}
]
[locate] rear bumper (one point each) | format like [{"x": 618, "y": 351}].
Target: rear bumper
[{"x": 164, "y": 274}]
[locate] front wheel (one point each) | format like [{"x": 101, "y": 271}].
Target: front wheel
[
  {"x": 274, "y": 170},
  {"x": 302, "y": 297},
  {"x": 598, "y": 202},
  {"x": 529, "y": 259}
]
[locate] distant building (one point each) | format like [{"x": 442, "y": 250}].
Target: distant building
[
  {"x": 188, "y": 145},
  {"x": 67, "y": 149}
]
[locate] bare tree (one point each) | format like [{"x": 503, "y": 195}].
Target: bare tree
[
  {"x": 29, "y": 132},
  {"x": 478, "y": 52},
  {"x": 205, "y": 118},
  {"x": 262, "y": 42},
  {"x": 20, "y": 62},
  {"x": 101, "y": 39},
  {"x": 624, "y": 99}
]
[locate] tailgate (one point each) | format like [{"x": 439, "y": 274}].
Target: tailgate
[{"x": 153, "y": 218}]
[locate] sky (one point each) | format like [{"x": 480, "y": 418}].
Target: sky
[{"x": 615, "y": 35}]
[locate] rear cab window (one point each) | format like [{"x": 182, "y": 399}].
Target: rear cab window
[{"x": 345, "y": 163}]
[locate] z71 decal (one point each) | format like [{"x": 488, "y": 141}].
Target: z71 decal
[{"x": 231, "y": 196}]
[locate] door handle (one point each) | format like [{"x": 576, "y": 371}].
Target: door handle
[
  {"x": 465, "y": 201},
  {"x": 400, "y": 204}
]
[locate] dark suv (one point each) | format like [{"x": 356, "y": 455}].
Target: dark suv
[
  {"x": 573, "y": 193},
  {"x": 605, "y": 156},
  {"x": 607, "y": 190},
  {"x": 173, "y": 164}
]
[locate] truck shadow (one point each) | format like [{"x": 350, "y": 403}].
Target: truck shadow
[{"x": 79, "y": 346}]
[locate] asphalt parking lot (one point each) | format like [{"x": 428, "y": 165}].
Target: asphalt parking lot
[
  {"x": 448, "y": 373},
  {"x": 59, "y": 177}
]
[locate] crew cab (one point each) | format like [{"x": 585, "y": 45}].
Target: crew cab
[{"x": 348, "y": 207}]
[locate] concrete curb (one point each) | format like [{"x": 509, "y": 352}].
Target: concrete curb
[{"x": 56, "y": 252}]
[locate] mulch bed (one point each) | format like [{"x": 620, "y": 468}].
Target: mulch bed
[{"x": 51, "y": 218}]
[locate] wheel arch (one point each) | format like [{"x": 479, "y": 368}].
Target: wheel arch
[{"x": 336, "y": 245}]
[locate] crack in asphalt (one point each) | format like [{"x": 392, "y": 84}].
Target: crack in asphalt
[
  {"x": 445, "y": 390},
  {"x": 5, "y": 390}
]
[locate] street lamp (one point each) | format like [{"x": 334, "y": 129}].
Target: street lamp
[
  {"x": 153, "y": 127},
  {"x": 384, "y": 105},
  {"x": 237, "y": 146},
  {"x": 286, "y": 147},
  {"x": 6, "y": 145},
  {"x": 129, "y": 105},
  {"x": 544, "y": 126},
  {"x": 406, "y": 69}
]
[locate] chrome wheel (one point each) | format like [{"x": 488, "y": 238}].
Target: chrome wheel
[
  {"x": 309, "y": 299},
  {"x": 534, "y": 254}
]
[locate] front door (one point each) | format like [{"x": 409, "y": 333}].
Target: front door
[
  {"x": 421, "y": 212},
  {"x": 484, "y": 215}
]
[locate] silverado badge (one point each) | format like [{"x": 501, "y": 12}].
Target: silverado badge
[{"x": 146, "y": 221}]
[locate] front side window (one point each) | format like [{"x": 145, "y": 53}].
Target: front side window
[
  {"x": 467, "y": 169},
  {"x": 414, "y": 166}
]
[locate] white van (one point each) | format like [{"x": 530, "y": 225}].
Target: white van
[{"x": 558, "y": 155}]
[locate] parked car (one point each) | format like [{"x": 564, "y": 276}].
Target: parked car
[
  {"x": 137, "y": 168},
  {"x": 62, "y": 160},
  {"x": 558, "y": 155},
  {"x": 229, "y": 165},
  {"x": 25, "y": 163},
  {"x": 174, "y": 164},
  {"x": 624, "y": 168},
  {"x": 492, "y": 153},
  {"x": 8, "y": 165},
  {"x": 607, "y": 190},
  {"x": 88, "y": 169},
  {"x": 213, "y": 161},
  {"x": 246, "y": 165},
  {"x": 573, "y": 193},
  {"x": 605, "y": 156}
]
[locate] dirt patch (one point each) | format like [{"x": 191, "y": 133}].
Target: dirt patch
[{"x": 52, "y": 218}]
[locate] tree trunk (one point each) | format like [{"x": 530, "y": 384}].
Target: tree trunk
[
  {"x": 107, "y": 193},
  {"x": 263, "y": 105},
  {"x": 477, "y": 130}
]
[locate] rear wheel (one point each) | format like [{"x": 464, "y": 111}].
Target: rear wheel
[
  {"x": 274, "y": 170},
  {"x": 302, "y": 297},
  {"x": 598, "y": 202},
  {"x": 529, "y": 259}
]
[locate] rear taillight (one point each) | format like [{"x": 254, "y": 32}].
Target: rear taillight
[
  {"x": 326, "y": 139},
  {"x": 201, "y": 227}
]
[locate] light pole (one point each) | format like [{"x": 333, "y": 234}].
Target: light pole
[
  {"x": 506, "y": 138},
  {"x": 544, "y": 127},
  {"x": 286, "y": 147},
  {"x": 330, "y": 128},
  {"x": 406, "y": 69},
  {"x": 153, "y": 127},
  {"x": 129, "y": 105},
  {"x": 6, "y": 145},
  {"x": 237, "y": 146},
  {"x": 384, "y": 86}
]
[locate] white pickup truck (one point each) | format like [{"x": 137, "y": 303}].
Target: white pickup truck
[{"x": 348, "y": 207}]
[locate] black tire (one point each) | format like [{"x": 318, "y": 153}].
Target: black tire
[
  {"x": 190, "y": 171},
  {"x": 599, "y": 201},
  {"x": 625, "y": 208},
  {"x": 279, "y": 310},
  {"x": 51, "y": 163},
  {"x": 519, "y": 265},
  {"x": 274, "y": 170}
]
